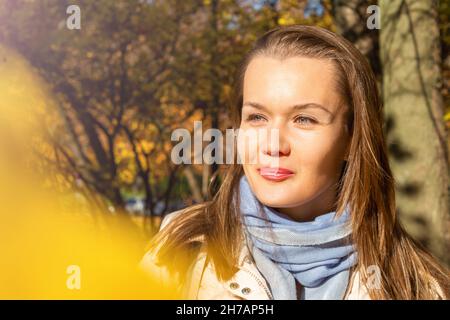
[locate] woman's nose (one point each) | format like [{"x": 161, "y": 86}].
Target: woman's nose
[{"x": 277, "y": 145}]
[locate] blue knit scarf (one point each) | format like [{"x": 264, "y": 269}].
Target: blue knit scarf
[{"x": 318, "y": 254}]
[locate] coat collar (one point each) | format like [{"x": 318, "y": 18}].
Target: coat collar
[{"x": 247, "y": 283}]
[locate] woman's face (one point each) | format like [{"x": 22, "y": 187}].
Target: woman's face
[{"x": 298, "y": 99}]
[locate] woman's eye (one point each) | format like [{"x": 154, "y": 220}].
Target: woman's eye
[
  {"x": 302, "y": 120},
  {"x": 255, "y": 117},
  {"x": 305, "y": 120}
]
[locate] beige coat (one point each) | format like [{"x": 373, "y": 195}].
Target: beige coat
[{"x": 247, "y": 283}]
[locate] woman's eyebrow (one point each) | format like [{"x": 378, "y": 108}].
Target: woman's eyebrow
[{"x": 294, "y": 107}]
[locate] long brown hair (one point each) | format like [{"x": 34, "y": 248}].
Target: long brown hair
[{"x": 366, "y": 184}]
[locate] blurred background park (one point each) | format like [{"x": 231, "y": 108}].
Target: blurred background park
[{"x": 87, "y": 106}]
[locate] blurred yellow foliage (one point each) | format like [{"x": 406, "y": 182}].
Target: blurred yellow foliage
[{"x": 51, "y": 250}]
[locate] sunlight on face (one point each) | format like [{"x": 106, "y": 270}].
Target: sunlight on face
[{"x": 298, "y": 97}]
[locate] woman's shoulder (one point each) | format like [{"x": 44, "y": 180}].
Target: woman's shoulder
[
  {"x": 170, "y": 217},
  {"x": 151, "y": 265},
  {"x": 357, "y": 289},
  {"x": 150, "y": 256}
]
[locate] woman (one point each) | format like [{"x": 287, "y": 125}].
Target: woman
[{"x": 311, "y": 215}]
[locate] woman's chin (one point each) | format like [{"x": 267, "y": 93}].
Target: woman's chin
[
  {"x": 276, "y": 186},
  {"x": 277, "y": 200}
]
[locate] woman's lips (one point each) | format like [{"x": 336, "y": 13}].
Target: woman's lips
[{"x": 275, "y": 174}]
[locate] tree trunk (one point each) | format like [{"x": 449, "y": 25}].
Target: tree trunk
[
  {"x": 196, "y": 191},
  {"x": 416, "y": 134},
  {"x": 215, "y": 78},
  {"x": 350, "y": 17}
]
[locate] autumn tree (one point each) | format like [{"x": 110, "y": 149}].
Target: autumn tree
[{"x": 410, "y": 55}]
